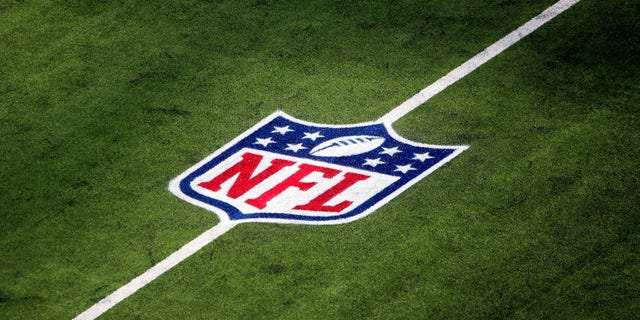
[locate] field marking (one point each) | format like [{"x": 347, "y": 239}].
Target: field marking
[
  {"x": 151, "y": 274},
  {"x": 478, "y": 60},
  {"x": 412, "y": 103}
]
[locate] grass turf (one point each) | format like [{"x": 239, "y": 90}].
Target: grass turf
[{"x": 102, "y": 103}]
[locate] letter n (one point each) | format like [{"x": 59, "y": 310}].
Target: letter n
[{"x": 245, "y": 169}]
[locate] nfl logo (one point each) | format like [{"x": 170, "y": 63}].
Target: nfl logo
[{"x": 285, "y": 170}]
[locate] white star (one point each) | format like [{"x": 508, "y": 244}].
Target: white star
[
  {"x": 422, "y": 156},
  {"x": 390, "y": 151},
  {"x": 373, "y": 162},
  {"x": 404, "y": 169},
  {"x": 281, "y": 130},
  {"x": 295, "y": 147},
  {"x": 264, "y": 142},
  {"x": 312, "y": 136}
]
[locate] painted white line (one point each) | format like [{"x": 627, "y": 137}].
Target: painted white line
[
  {"x": 478, "y": 60},
  {"x": 161, "y": 267},
  {"x": 221, "y": 228}
]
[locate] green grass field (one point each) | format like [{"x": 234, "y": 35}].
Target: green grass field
[{"x": 102, "y": 103}]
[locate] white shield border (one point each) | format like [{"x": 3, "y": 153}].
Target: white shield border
[{"x": 174, "y": 185}]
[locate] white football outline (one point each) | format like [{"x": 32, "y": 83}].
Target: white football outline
[{"x": 347, "y": 146}]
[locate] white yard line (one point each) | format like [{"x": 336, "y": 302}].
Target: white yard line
[
  {"x": 163, "y": 266},
  {"x": 205, "y": 238},
  {"x": 478, "y": 60}
]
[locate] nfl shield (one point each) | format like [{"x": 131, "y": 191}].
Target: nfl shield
[{"x": 285, "y": 170}]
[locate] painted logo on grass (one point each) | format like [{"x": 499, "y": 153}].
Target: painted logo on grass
[{"x": 286, "y": 170}]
